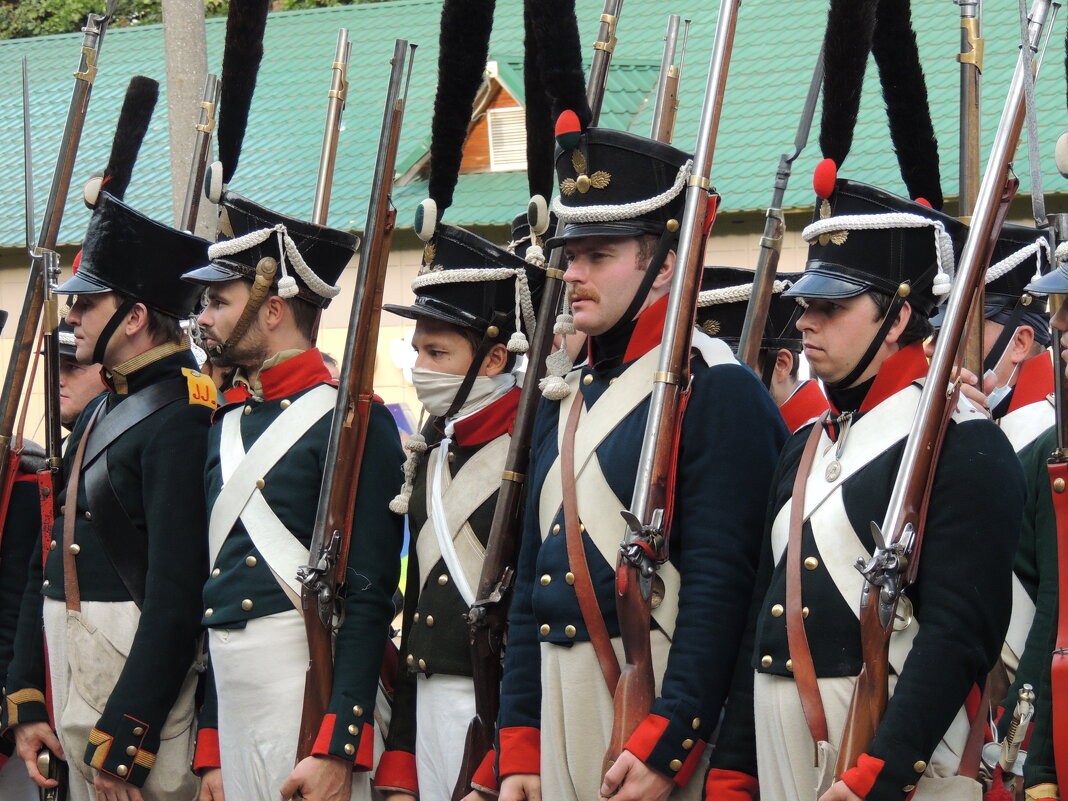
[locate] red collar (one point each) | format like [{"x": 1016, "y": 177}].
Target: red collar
[
  {"x": 1034, "y": 382},
  {"x": 488, "y": 423},
  {"x": 238, "y": 393},
  {"x": 896, "y": 373},
  {"x": 294, "y": 375},
  {"x": 648, "y": 331},
  {"x": 806, "y": 402}
]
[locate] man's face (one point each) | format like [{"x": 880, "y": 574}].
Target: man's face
[
  {"x": 440, "y": 349},
  {"x": 78, "y": 384},
  {"x": 88, "y": 316},
  {"x": 225, "y": 303},
  {"x": 836, "y": 334},
  {"x": 603, "y": 275}
]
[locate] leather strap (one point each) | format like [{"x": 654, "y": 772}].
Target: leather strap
[
  {"x": 124, "y": 544},
  {"x": 1059, "y": 668},
  {"x": 800, "y": 654},
  {"x": 576, "y": 556},
  {"x": 131, "y": 411},
  {"x": 973, "y": 746},
  {"x": 70, "y": 568}
]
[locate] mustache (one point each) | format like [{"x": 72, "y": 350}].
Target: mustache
[{"x": 583, "y": 294}]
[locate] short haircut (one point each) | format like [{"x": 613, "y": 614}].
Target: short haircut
[
  {"x": 305, "y": 315},
  {"x": 918, "y": 327},
  {"x": 162, "y": 328}
]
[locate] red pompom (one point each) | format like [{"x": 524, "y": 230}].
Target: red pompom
[
  {"x": 77, "y": 261},
  {"x": 823, "y": 178},
  {"x": 923, "y": 202},
  {"x": 568, "y": 130}
]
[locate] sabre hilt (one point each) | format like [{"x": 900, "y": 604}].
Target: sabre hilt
[{"x": 1021, "y": 718}]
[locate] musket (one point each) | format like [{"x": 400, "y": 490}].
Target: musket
[
  {"x": 756, "y": 313},
  {"x": 488, "y": 616},
  {"x": 339, "y": 87},
  {"x": 647, "y": 524},
  {"x": 25, "y": 335},
  {"x": 893, "y": 566},
  {"x": 1058, "y": 224},
  {"x": 971, "y": 75},
  {"x": 329, "y": 548},
  {"x": 205, "y": 127},
  {"x": 667, "y": 85}
]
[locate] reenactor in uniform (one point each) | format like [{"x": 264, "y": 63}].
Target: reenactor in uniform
[
  {"x": 119, "y": 594},
  {"x": 556, "y": 711},
  {"x": 876, "y": 264},
  {"x": 1040, "y": 768},
  {"x": 78, "y": 383},
  {"x": 267, "y": 282},
  {"x": 721, "y": 308},
  {"x": 463, "y": 377}
]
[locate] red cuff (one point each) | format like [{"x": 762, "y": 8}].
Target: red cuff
[
  {"x": 862, "y": 778},
  {"x": 363, "y": 759},
  {"x": 690, "y": 765},
  {"x": 520, "y": 750},
  {"x": 485, "y": 778},
  {"x": 396, "y": 771},
  {"x": 206, "y": 755},
  {"x": 731, "y": 785},
  {"x": 646, "y": 736}
]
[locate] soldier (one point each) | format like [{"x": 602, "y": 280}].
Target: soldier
[
  {"x": 876, "y": 263},
  {"x": 266, "y": 285},
  {"x": 78, "y": 383},
  {"x": 556, "y": 712},
  {"x": 1040, "y": 769},
  {"x": 125, "y": 563},
  {"x": 463, "y": 376},
  {"x": 721, "y": 308}
]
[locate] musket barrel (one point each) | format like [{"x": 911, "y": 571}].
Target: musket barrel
[
  {"x": 602, "y": 58},
  {"x": 666, "y": 85},
  {"x": 971, "y": 68},
  {"x": 1058, "y": 224},
  {"x": 914, "y": 463},
  {"x": 205, "y": 127},
  {"x": 334, "y": 109}
]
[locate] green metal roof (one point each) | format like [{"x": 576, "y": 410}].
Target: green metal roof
[{"x": 774, "y": 53}]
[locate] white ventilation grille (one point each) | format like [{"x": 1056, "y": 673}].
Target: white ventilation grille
[{"x": 507, "y": 139}]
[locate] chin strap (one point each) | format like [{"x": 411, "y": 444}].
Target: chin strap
[
  {"x": 489, "y": 339},
  {"x": 1008, "y": 331},
  {"x": 108, "y": 330},
  {"x": 877, "y": 342},
  {"x": 261, "y": 289}
]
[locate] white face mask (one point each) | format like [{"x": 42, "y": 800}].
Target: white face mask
[{"x": 437, "y": 391}]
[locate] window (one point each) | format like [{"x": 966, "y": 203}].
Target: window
[{"x": 507, "y": 139}]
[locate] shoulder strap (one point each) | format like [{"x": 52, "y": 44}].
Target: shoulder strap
[
  {"x": 800, "y": 653},
  {"x": 576, "y": 556},
  {"x": 130, "y": 412},
  {"x": 70, "y": 569}
]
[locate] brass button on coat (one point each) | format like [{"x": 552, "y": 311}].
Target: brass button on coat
[
  {"x": 138, "y": 731},
  {"x": 920, "y": 766},
  {"x": 285, "y": 404},
  {"x": 352, "y": 728},
  {"x": 687, "y": 744},
  {"x": 804, "y": 611},
  {"x": 430, "y": 620},
  {"x": 443, "y": 579},
  {"x": 422, "y": 664},
  {"x": 570, "y": 631},
  {"x": 350, "y": 749},
  {"x": 357, "y": 711},
  {"x": 766, "y": 660},
  {"x": 546, "y": 580},
  {"x": 908, "y": 788},
  {"x": 122, "y": 770},
  {"x": 52, "y": 545},
  {"x": 1058, "y": 485},
  {"x": 695, "y": 724},
  {"x": 569, "y": 578},
  {"x": 587, "y": 379},
  {"x": 215, "y": 573},
  {"x": 45, "y": 583},
  {"x": 209, "y": 612},
  {"x": 88, "y": 515},
  {"x": 248, "y": 410},
  {"x": 260, "y": 483},
  {"x": 410, "y": 660},
  {"x": 250, "y": 561},
  {"x": 777, "y": 610},
  {"x": 131, "y": 750},
  {"x": 556, "y": 529},
  {"x": 75, "y": 548},
  {"x": 675, "y": 764},
  {"x": 246, "y": 604},
  {"x": 812, "y": 563},
  {"x": 544, "y": 629},
  {"x": 415, "y": 618},
  {"x": 790, "y": 665}
]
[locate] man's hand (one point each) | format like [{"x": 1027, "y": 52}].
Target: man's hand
[
  {"x": 319, "y": 779},
  {"x": 31, "y": 738},
  {"x": 520, "y": 786},
  {"x": 211, "y": 785},
  {"x": 108, "y": 788},
  {"x": 630, "y": 779},
  {"x": 840, "y": 792}
]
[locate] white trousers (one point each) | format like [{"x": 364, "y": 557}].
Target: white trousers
[
  {"x": 444, "y": 708},
  {"x": 86, "y": 652},
  {"x": 15, "y": 783},
  {"x": 576, "y": 721},
  {"x": 259, "y": 681},
  {"x": 785, "y": 749}
]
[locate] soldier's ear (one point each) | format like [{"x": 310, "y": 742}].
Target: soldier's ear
[
  {"x": 667, "y": 269},
  {"x": 136, "y": 319},
  {"x": 495, "y": 361}
]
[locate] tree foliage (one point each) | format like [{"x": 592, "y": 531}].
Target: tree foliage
[{"x": 25, "y": 18}]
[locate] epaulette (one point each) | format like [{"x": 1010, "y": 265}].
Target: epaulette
[{"x": 201, "y": 388}]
